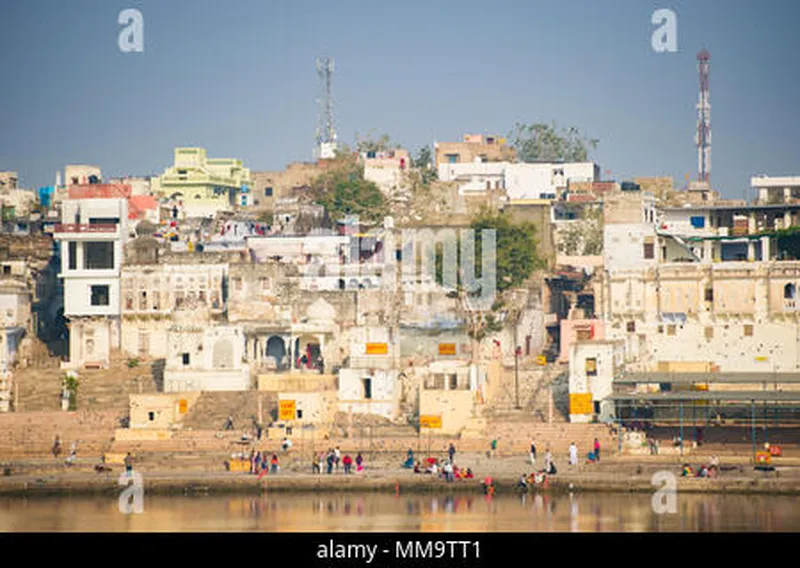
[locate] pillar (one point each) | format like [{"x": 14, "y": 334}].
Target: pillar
[
  {"x": 751, "y": 223},
  {"x": 751, "y": 251},
  {"x": 787, "y": 219},
  {"x": 708, "y": 251},
  {"x": 765, "y": 249}
]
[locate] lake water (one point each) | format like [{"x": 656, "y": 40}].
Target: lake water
[{"x": 300, "y": 512}]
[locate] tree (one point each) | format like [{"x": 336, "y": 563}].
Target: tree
[
  {"x": 542, "y": 142},
  {"x": 423, "y": 163},
  {"x": 344, "y": 192},
  {"x": 369, "y": 144},
  {"x": 516, "y": 248}
]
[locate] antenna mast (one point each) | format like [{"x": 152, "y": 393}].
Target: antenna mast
[{"x": 326, "y": 130}]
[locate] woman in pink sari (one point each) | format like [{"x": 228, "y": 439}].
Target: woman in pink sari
[{"x": 359, "y": 463}]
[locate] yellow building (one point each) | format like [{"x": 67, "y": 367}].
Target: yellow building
[{"x": 202, "y": 186}]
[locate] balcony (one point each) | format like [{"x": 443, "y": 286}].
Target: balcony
[
  {"x": 85, "y": 228},
  {"x": 789, "y": 304}
]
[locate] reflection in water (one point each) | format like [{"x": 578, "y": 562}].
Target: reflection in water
[{"x": 378, "y": 512}]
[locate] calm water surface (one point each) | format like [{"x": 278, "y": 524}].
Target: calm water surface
[{"x": 585, "y": 512}]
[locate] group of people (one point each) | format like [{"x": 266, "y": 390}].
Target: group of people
[
  {"x": 73, "y": 454},
  {"x": 259, "y": 463},
  {"x": 333, "y": 458},
  {"x": 448, "y": 470},
  {"x": 710, "y": 470}
]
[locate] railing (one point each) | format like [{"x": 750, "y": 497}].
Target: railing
[
  {"x": 83, "y": 228},
  {"x": 789, "y": 304}
]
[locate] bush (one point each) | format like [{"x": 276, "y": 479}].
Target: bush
[{"x": 133, "y": 363}]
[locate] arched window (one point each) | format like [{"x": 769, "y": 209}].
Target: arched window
[{"x": 789, "y": 291}]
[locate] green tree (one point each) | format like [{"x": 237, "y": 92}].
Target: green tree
[
  {"x": 370, "y": 144},
  {"x": 344, "y": 191},
  {"x": 516, "y": 255},
  {"x": 543, "y": 142},
  {"x": 423, "y": 163}
]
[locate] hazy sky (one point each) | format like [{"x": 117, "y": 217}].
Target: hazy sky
[{"x": 238, "y": 78}]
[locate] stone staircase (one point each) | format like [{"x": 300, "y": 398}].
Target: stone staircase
[
  {"x": 31, "y": 434},
  {"x": 99, "y": 389},
  {"x": 213, "y": 408},
  {"x": 534, "y": 394}
]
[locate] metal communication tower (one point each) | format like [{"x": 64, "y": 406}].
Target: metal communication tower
[
  {"x": 326, "y": 130},
  {"x": 703, "y": 136}
]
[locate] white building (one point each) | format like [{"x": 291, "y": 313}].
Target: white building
[
  {"x": 92, "y": 235},
  {"x": 520, "y": 180},
  {"x": 202, "y": 356},
  {"x": 775, "y": 190},
  {"x": 592, "y": 368}
]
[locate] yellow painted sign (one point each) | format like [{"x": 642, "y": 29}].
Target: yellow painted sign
[
  {"x": 377, "y": 348},
  {"x": 761, "y": 359},
  {"x": 541, "y": 360},
  {"x": 287, "y": 410},
  {"x": 428, "y": 421},
  {"x": 183, "y": 406},
  {"x": 447, "y": 349},
  {"x": 581, "y": 403}
]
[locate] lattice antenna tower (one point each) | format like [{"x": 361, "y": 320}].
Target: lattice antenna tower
[
  {"x": 326, "y": 129},
  {"x": 703, "y": 136}
]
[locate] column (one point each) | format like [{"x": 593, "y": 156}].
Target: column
[
  {"x": 787, "y": 219},
  {"x": 751, "y": 223},
  {"x": 765, "y": 252},
  {"x": 708, "y": 251},
  {"x": 751, "y": 251},
  {"x": 79, "y": 249}
]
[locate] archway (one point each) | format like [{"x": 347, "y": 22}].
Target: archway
[
  {"x": 789, "y": 292},
  {"x": 276, "y": 348},
  {"x": 307, "y": 352}
]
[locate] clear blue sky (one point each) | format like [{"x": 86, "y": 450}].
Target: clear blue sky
[{"x": 238, "y": 78}]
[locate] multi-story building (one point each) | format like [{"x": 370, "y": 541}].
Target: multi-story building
[
  {"x": 474, "y": 147},
  {"x": 777, "y": 190},
  {"x": 204, "y": 186},
  {"x": 92, "y": 235}
]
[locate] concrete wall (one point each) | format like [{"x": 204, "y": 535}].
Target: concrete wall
[
  {"x": 455, "y": 407},
  {"x": 385, "y": 392},
  {"x": 197, "y": 380},
  {"x": 165, "y": 409},
  {"x": 317, "y": 408},
  {"x": 570, "y": 330},
  {"x": 623, "y": 246}
]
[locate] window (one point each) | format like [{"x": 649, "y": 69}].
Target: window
[
  {"x": 268, "y": 192},
  {"x": 452, "y": 158},
  {"x": 367, "y": 388},
  {"x": 299, "y": 414},
  {"x": 748, "y": 330},
  {"x": 185, "y": 358},
  {"x": 661, "y": 329},
  {"x": 6, "y": 269},
  {"x": 649, "y": 251},
  {"x": 129, "y": 301},
  {"x": 99, "y": 295},
  {"x": 98, "y": 255},
  {"x": 709, "y": 295},
  {"x": 72, "y": 254},
  {"x": 591, "y": 367},
  {"x": 709, "y": 332},
  {"x": 151, "y": 416},
  {"x": 143, "y": 301},
  {"x": 453, "y": 379},
  {"x": 583, "y": 334},
  {"x": 671, "y": 329},
  {"x": 788, "y": 292},
  {"x": 631, "y": 326}
]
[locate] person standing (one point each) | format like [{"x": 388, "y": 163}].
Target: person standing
[
  {"x": 359, "y": 463},
  {"x": 494, "y": 448},
  {"x": 331, "y": 459},
  {"x": 129, "y": 464},
  {"x": 573, "y": 454},
  {"x": 548, "y": 461},
  {"x": 451, "y": 451},
  {"x": 533, "y": 453},
  {"x": 337, "y": 457},
  {"x": 597, "y": 449},
  {"x": 57, "y": 447},
  {"x": 347, "y": 462}
]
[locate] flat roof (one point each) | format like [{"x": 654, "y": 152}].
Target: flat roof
[
  {"x": 734, "y": 207},
  {"x": 710, "y": 378},
  {"x": 727, "y": 396}
]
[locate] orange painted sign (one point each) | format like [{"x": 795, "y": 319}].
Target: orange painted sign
[
  {"x": 447, "y": 349},
  {"x": 287, "y": 410},
  {"x": 377, "y": 348},
  {"x": 428, "y": 421},
  {"x": 581, "y": 403},
  {"x": 183, "y": 406}
]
